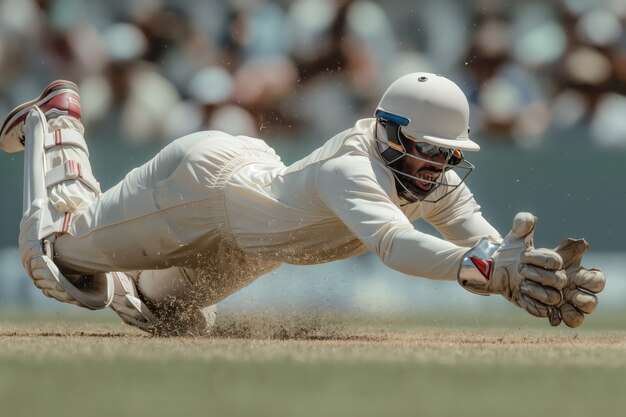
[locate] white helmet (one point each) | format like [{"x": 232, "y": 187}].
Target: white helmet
[
  {"x": 430, "y": 110},
  {"x": 435, "y": 107}
]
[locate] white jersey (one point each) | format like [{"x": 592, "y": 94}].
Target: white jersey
[
  {"x": 341, "y": 201},
  {"x": 219, "y": 202}
]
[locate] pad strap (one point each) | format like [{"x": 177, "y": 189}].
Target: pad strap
[
  {"x": 65, "y": 137},
  {"x": 71, "y": 170},
  {"x": 53, "y": 221}
]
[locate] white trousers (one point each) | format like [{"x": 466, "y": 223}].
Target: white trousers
[{"x": 170, "y": 213}]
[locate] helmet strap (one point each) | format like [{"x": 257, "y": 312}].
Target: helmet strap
[{"x": 395, "y": 148}]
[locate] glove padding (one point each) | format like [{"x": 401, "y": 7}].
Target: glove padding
[
  {"x": 582, "y": 284},
  {"x": 528, "y": 277}
]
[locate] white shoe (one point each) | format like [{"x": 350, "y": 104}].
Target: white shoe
[
  {"x": 59, "y": 98},
  {"x": 164, "y": 319},
  {"x": 127, "y": 304}
]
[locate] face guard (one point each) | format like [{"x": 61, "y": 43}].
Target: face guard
[{"x": 391, "y": 145}]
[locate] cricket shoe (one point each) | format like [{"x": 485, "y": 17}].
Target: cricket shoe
[
  {"x": 128, "y": 304},
  {"x": 165, "y": 319},
  {"x": 59, "y": 98}
]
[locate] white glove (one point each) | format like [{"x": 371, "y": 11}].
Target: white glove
[
  {"x": 582, "y": 284},
  {"x": 528, "y": 277}
]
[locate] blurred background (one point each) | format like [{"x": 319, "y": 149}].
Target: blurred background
[{"x": 545, "y": 79}]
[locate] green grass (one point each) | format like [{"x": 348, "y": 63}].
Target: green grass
[{"x": 318, "y": 365}]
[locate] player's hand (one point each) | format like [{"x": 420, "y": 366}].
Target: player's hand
[
  {"x": 582, "y": 284},
  {"x": 529, "y": 277}
]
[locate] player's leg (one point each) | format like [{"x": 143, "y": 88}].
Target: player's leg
[
  {"x": 170, "y": 211},
  {"x": 171, "y": 309},
  {"x": 58, "y": 100},
  {"x": 180, "y": 300},
  {"x": 140, "y": 223},
  {"x": 58, "y": 183},
  {"x": 69, "y": 176},
  {"x": 166, "y": 212},
  {"x": 144, "y": 222}
]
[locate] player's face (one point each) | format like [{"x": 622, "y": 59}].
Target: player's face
[{"x": 427, "y": 168}]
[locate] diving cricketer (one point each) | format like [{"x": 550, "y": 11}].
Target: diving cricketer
[{"x": 212, "y": 212}]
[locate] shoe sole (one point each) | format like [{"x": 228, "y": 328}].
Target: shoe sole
[{"x": 52, "y": 90}]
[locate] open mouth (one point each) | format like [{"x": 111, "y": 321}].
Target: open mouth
[{"x": 424, "y": 180}]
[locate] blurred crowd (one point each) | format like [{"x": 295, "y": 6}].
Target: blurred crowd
[{"x": 301, "y": 70}]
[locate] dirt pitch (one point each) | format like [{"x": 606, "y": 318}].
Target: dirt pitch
[{"x": 314, "y": 364}]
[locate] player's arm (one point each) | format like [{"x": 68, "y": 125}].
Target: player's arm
[
  {"x": 458, "y": 217},
  {"x": 358, "y": 190},
  {"x": 530, "y": 278}
]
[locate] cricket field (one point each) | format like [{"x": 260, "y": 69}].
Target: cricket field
[{"x": 314, "y": 365}]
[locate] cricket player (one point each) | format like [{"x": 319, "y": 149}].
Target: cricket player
[{"x": 212, "y": 212}]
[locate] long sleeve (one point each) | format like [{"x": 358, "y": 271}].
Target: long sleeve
[
  {"x": 358, "y": 189},
  {"x": 458, "y": 218}
]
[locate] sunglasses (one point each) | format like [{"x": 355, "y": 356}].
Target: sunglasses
[{"x": 433, "y": 151}]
